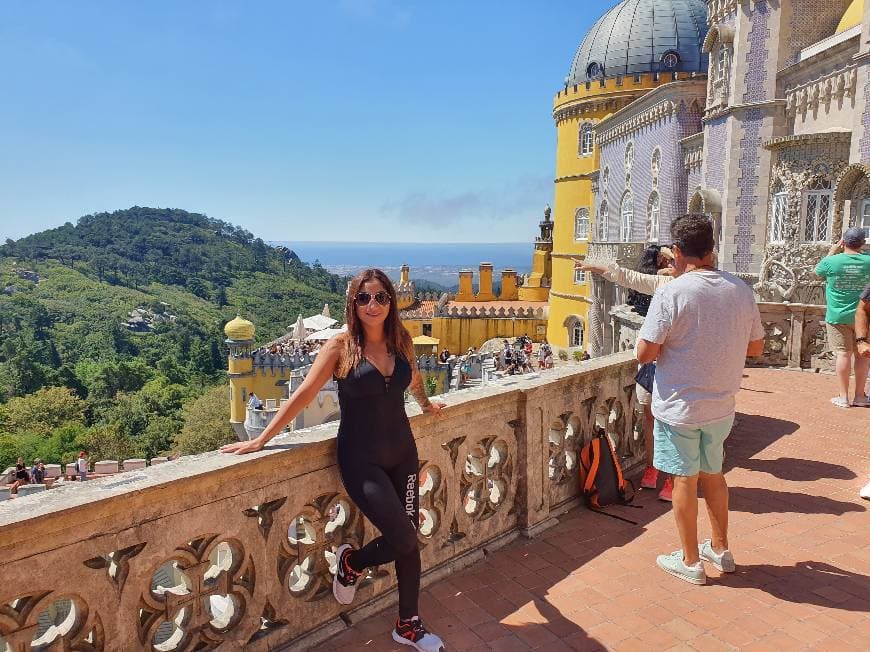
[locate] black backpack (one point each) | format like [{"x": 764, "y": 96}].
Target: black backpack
[{"x": 601, "y": 479}]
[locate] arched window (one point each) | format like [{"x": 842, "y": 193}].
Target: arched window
[
  {"x": 656, "y": 165},
  {"x": 653, "y": 217},
  {"x": 626, "y": 217},
  {"x": 818, "y": 204},
  {"x": 594, "y": 70},
  {"x": 575, "y": 333},
  {"x": 778, "y": 212},
  {"x": 670, "y": 60},
  {"x": 581, "y": 224},
  {"x": 602, "y": 222},
  {"x": 586, "y": 140}
]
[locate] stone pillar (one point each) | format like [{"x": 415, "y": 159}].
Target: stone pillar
[
  {"x": 136, "y": 464},
  {"x": 509, "y": 290},
  {"x": 106, "y": 466},
  {"x": 595, "y": 337},
  {"x": 466, "y": 293},
  {"x": 484, "y": 290},
  {"x": 52, "y": 470}
]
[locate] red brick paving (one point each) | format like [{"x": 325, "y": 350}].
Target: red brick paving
[{"x": 799, "y": 533}]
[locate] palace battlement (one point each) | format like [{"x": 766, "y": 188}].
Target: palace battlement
[{"x": 620, "y": 83}]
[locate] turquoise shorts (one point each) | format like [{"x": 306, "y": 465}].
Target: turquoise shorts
[{"x": 686, "y": 451}]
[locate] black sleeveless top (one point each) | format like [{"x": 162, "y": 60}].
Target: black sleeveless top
[{"x": 374, "y": 426}]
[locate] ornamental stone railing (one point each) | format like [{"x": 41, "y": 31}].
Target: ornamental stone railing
[
  {"x": 238, "y": 551},
  {"x": 794, "y": 335}
]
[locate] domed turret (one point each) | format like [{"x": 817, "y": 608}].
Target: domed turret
[
  {"x": 642, "y": 36},
  {"x": 853, "y": 16},
  {"x": 239, "y": 329}
]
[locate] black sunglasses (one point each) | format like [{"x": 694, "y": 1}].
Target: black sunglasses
[{"x": 365, "y": 298}]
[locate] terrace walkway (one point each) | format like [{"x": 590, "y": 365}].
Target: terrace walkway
[{"x": 800, "y": 533}]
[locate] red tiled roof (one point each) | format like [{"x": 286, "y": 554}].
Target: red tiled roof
[{"x": 420, "y": 310}]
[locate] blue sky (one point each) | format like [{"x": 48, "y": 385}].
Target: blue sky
[{"x": 374, "y": 120}]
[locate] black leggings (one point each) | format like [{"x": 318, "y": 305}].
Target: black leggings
[{"x": 390, "y": 500}]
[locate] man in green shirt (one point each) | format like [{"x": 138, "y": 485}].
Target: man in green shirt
[{"x": 845, "y": 276}]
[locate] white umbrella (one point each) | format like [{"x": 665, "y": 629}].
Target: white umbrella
[
  {"x": 325, "y": 312},
  {"x": 299, "y": 329},
  {"x": 325, "y": 334}
]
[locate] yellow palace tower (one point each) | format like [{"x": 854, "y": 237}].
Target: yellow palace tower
[{"x": 634, "y": 48}]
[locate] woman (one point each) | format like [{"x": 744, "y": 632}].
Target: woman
[
  {"x": 21, "y": 476},
  {"x": 654, "y": 270},
  {"x": 373, "y": 363}
]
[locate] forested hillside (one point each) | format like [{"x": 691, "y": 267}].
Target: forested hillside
[{"x": 111, "y": 327}]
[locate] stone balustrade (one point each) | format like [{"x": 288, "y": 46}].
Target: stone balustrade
[
  {"x": 794, "y": 335},
  {"x": 238, "y": 551}
]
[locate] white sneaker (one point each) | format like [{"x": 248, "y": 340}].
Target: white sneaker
[
  {"x": 674, "y": 565},
  {"x": 840, "y": 402},
  {"x": 724, "y": 562},
  {"x": 344, "y": 582},
  {"x": 865, "y": 491}
]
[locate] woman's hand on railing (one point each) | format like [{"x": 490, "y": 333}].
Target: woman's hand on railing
[
  {"x": 243, "y": 447},
  {"x": 434, "y": 407}
]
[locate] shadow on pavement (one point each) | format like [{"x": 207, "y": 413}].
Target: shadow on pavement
[
  {"x": 807, "y": 582},
  {"x": 764, "y": 501},
  {"x": 792, "y": 468}
]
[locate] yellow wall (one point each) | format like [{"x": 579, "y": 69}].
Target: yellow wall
[
  {"x": 574, "y": 190},
  {"x": 458, "y": 334}
]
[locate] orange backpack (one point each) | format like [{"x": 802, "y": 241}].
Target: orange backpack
[{"x": 601, "y": 478}]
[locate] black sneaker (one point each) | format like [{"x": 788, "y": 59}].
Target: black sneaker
[
  {"x": 411, "y": 632},
  {"x": 344, "y": 583}
]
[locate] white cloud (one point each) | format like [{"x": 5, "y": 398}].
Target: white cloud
[{"x": 520, "y": 198}]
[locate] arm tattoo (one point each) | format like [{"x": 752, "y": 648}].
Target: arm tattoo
[{"x": 417, "y": 390}]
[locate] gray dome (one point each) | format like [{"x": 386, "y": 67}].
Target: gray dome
[{"x": 638, "y": 36}]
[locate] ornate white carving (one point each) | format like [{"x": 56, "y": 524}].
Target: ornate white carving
[{"x": 819, "y": 93}]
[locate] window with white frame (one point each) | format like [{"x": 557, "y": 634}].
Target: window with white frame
[
  {"x": 626, "y": 213},
  {"x": 818, "y": 205},
  {"x": 586, "y": 140},
  {"x": 653, "y": 216},
  {"x": 864, "y": 218},
  {"x": 575, "y": 333},
  {"x": 579, "y": 277},
  {"x": 602, "y": 222},
  {"x": 721, "y": 66},
  {"x": 581, "y": 224},
  {"x": 778, "y": 212}
]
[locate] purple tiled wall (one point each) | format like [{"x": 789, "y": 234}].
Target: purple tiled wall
[
  {"x": 715, "y": 148},
  {"x": 865, "y": 120},
  {"x": 672, "y": 182},
  {"x": 755, "y": 90}
]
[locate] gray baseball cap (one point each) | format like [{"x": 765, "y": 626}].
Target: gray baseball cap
[{"x": 854, "y": 237}]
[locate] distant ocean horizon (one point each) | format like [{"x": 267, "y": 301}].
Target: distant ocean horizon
[{"x": 430, "y": 261}]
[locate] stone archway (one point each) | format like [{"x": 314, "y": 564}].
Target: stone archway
[
  {"x": 851, "y": 199},
  {"x": 709, "y": 202}
]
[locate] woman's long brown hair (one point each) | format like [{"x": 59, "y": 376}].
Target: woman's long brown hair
[{"x": 398, "y": 339}]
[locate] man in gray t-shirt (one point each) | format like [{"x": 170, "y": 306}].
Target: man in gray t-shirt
[{"x": 700, "y": 328}]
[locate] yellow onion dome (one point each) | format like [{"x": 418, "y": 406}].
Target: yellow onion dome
[{"x": 239, "y": 329}]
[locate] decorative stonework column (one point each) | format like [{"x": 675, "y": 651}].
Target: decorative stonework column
[{"x": 596, "y": 318}]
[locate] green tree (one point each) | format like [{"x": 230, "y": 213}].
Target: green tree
[
  {"x": 106, "y": 443},
  {"x": 206, "y": 423},
  {"x": 43, "y": 411}
]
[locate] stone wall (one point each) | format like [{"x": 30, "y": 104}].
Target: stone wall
[{"x": 218, "y": 550}]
